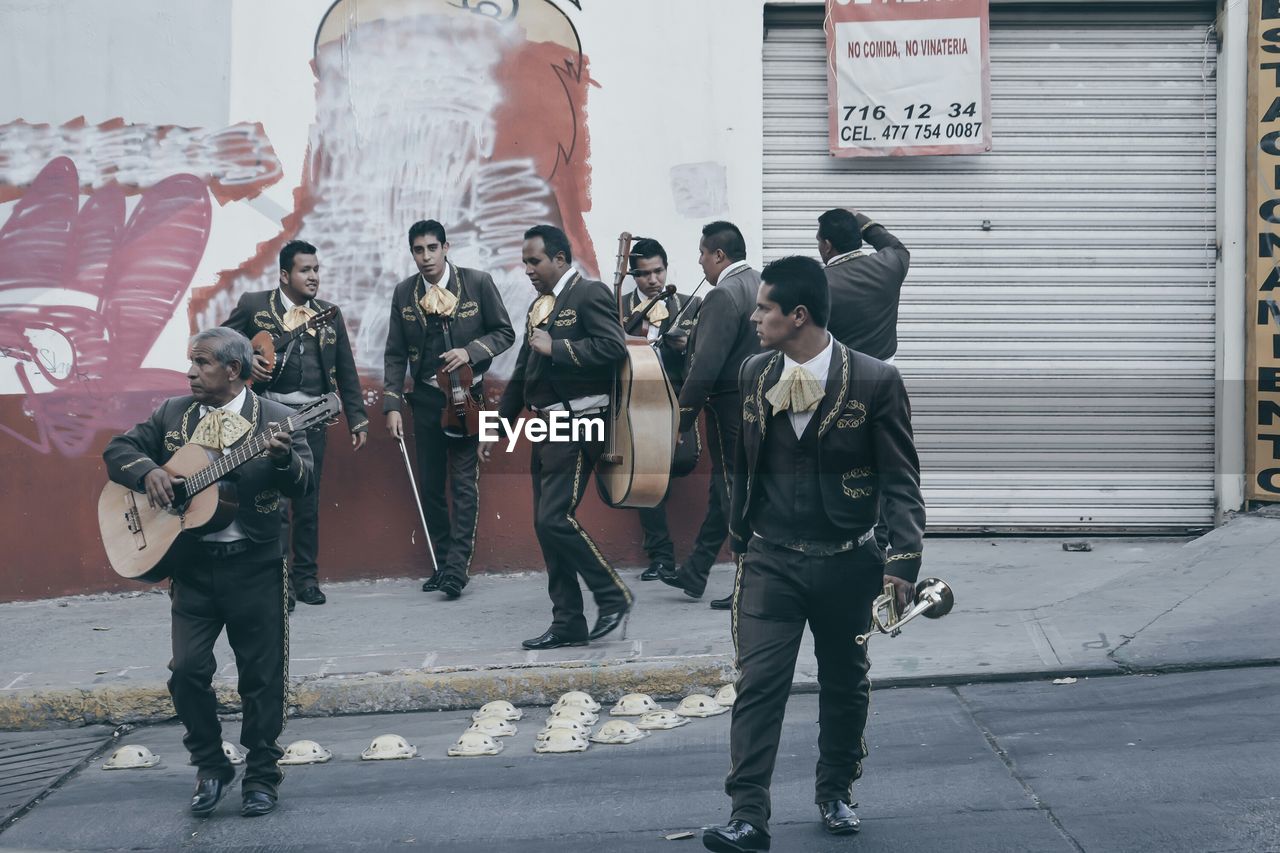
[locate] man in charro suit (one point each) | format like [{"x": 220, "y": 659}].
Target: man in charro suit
[
  {"x": 573, "y": 346},
  {"x": 865, "y": 286},
  {"x": 722, "y": 339},
  {"x": 667, "y": 323},
  {"x": 233, "y": 578},
  {"x": 826, "y": 434},
  {"x": 479, "y": 330},
  {"x": 313, "y": 364}
]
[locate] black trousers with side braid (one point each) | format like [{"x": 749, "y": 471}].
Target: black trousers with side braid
[
  {"x": 778, "y": 592},
  {"x": 724, "y": 420},
  {"x": 244, "y": 594},
  {"x": 561, "y": 471}
]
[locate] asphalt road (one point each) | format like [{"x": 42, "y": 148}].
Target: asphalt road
[{"x": 1186, "y": 762}]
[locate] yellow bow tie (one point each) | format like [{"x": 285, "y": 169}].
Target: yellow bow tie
[
  {"x": 297, "y": 316},
  {"x": 540, "y": 311},
  {"x": 657, "y": 312},
  {"x": 438, "y": 301},
  {"x": 797, "y": 390},
  {"x": 220, "y": 429}
]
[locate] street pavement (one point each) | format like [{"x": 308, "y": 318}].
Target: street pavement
[
  {"x": 1158, "y": 735},
  {"x": 1177, "y": 763},
  {"x": 1024, "y": 608}
]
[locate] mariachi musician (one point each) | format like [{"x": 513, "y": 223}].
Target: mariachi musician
[
  {"x": 573, "y": 344},
  {"x": 666, "y": 323},
  {"x": 447, "y": 323},
  {"x": 310, "y": 366},
  {"x": 723, "y": 338}
]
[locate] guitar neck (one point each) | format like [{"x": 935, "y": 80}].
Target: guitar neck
[
  {"x": 289, "y": 337},
  {"x": 254, "y": 446}
]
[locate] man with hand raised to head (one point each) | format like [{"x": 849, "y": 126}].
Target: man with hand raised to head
[{"x": 573, "y": 346}]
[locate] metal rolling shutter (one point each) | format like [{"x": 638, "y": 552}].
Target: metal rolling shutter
[{"x": 1061, "y": 364}]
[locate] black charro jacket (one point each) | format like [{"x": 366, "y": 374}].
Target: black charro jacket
[
  {"x": 865, "y": 448},
  {"x": 587, "y": 345},
  {"x": 264, "y": 310},
  {"x": 415, "y": 342},
  {"x": 259, "y": 483}
]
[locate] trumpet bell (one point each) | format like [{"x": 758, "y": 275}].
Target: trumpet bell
[{"x": 946, "y": 599}]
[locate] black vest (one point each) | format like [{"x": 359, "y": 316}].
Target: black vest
[
  {"x": 790, "y": 502},
  {"x": 303, "y": 370}
]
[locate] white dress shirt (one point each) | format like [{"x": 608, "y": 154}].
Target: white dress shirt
[
  {"x": 856, "y": 253},
  {"x": 444, "y": 282},
  {"x": 731, "y": 269},
  {"x": 232, "y": 531},
  {"x": 817, "y": 367}
]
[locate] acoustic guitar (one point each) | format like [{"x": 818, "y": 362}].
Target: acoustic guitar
[
  {"x": 145, "y": 543},
  {"x": 267, "y": 346}
]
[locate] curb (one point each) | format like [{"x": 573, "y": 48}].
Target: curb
[
  {"x": 374, "y": 693},
  {"x": 416, "y": 690}
]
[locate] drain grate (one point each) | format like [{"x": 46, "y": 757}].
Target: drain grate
[{"x": 31, "y": 762}]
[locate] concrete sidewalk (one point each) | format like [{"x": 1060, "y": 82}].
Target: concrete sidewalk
[{"x": 1024, "y": 608}]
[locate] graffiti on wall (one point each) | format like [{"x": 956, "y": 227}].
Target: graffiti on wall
[
  {"x": 471, "y": 113},
  {"x": 235, "y": 162},
  {"x": 84, "y": 294}
]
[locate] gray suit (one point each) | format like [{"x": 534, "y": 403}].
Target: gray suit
[
  {"x": 865, "y": 291},
  {"x": 723, "y": 338}
]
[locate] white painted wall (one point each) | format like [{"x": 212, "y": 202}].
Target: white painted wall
[
  {"x": 146, "y": 60},
  {"x": 696, "y": 71}
]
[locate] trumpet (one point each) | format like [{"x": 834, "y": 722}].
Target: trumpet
[{"x": 934, "y": 599}]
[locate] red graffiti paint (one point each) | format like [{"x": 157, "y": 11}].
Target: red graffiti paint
[
  {"x": 103, "y": 288},
  {"x": 236, "y": 162}
]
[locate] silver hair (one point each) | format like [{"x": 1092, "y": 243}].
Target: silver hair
[{"x": 228, "y": 345}]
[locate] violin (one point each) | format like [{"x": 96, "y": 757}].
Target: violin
[
  {"x": 461, "y": 414},
  {"x": 638, "y": 322}
]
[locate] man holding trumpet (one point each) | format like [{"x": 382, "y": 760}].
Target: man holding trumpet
[{"x": 826, "y": 432}]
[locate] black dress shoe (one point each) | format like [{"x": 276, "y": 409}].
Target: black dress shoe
[
  {"x": 735, "y": 836},
  {"x": 725, "y": 603},
  {"x": 208, "y": 793},
  {"x": 432, "y": 583},
  {"x": 838, "y": 818},
  {"x": 257, "y": 803},
  {"x": 551, "y": 640},
  {"x": 451, "y": 586},
  {"x": 606, "y": 622},
  {"x": 312, "y": 595},
  {"x": 671, "y": 577},
  {"x": 656, "y": 569}
]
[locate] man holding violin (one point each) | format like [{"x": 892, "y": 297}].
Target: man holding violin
[
  {"x": 316, "y": 359},
  {"x": 667, "y": 324},
  {"x": 447, "y": 325}
]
